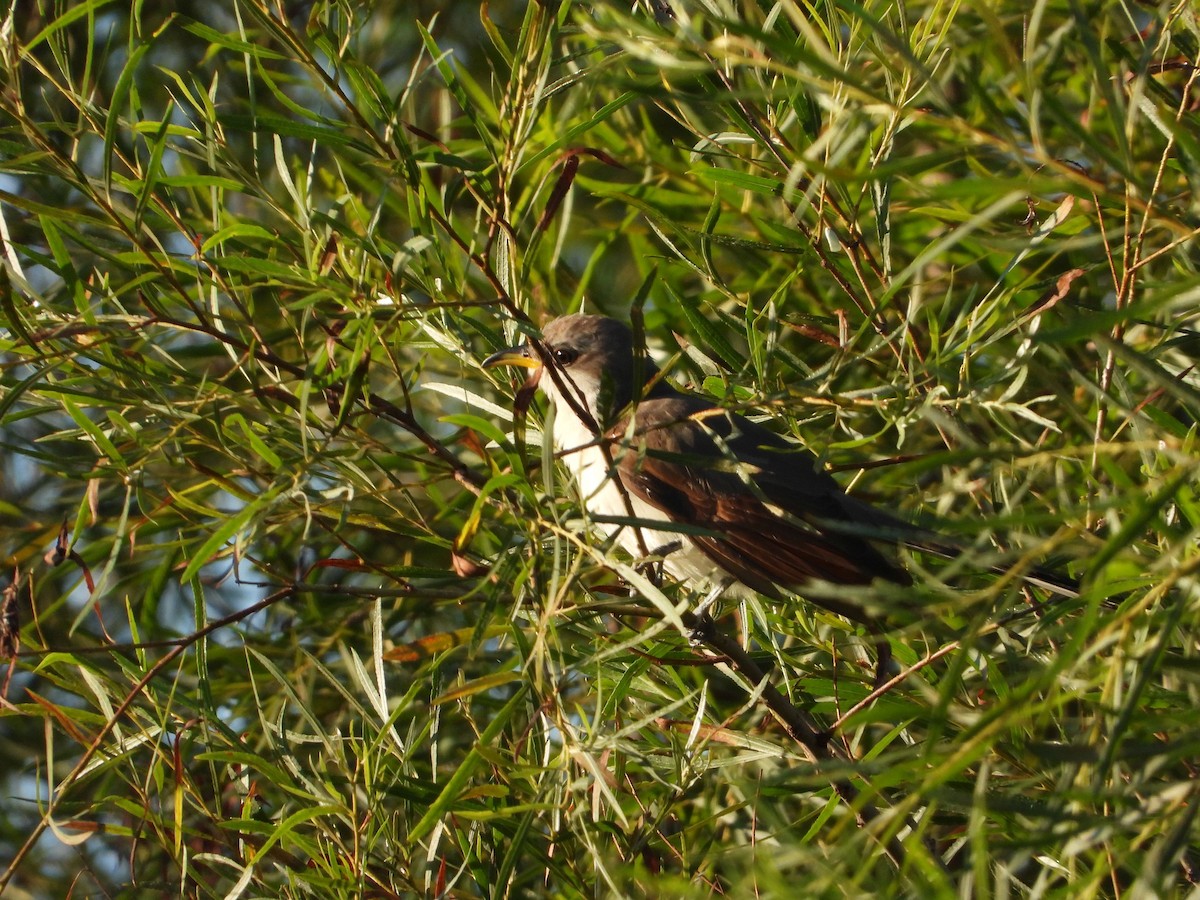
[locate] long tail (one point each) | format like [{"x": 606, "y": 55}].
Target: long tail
[
  {"x": 1052, "y": 580},
  {"x": 871, "y": 522}
]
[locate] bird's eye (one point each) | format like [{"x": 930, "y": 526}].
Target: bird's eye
[{"x": 564, "y": 356}]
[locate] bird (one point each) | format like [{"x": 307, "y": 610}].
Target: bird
[{"x": 722, "y": 500}]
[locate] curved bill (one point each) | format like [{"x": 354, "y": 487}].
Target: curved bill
[{"x": 521, "y": 355}]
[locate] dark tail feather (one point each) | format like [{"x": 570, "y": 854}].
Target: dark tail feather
[
  {"x": 868, "y": 521},
  {"x": 1039, "y": 576}
]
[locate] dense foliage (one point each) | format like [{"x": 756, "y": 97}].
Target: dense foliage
[{"x": 299, "y": 607}]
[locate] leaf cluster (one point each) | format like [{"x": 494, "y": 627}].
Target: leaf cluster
[{"x": 302, "y": 605}]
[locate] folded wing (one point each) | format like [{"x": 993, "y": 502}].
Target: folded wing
[{"x": 772, "y": 513}]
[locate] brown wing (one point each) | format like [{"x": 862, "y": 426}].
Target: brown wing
[{"x": 686, "y": 467}]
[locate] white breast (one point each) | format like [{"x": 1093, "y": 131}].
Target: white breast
[{"x": 601, "y": 495}]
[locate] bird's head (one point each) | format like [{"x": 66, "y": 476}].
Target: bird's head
[{"x": 591, "y": 357}]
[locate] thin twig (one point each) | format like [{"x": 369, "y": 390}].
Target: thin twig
[
  {"x": 72, "y": 778},
  {"x": 814, "y": 742}
]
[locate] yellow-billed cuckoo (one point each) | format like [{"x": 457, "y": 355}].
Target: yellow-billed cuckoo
[{"x": 760, "y": 512}]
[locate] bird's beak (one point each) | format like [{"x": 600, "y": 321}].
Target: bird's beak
[{"x": 521, "y": 355}]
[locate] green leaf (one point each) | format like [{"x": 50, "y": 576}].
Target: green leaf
[
  {"x": 741, "y": 180},
  {"x": 230, "y": 526}
]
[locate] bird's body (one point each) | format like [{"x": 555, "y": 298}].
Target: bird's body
[
  {"x": 770, "y": 514},
  {"x": 601, "y": 477},
  {"x": 722, "y": 498},
  {"x": 601, "y": 494}
]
